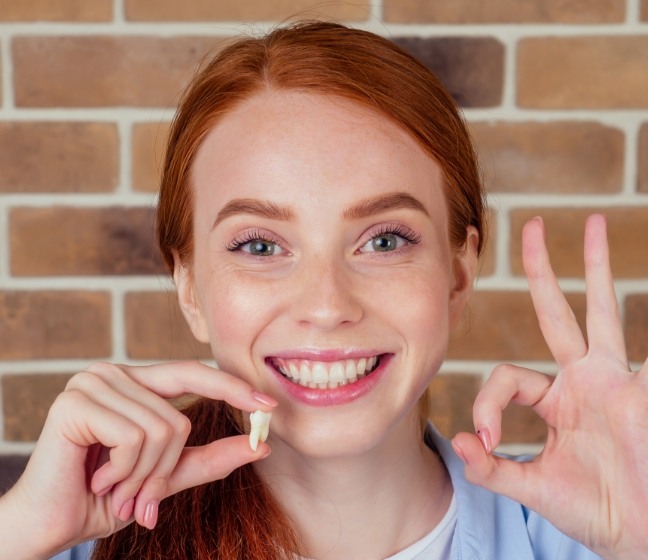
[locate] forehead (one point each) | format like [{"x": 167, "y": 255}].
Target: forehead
[{"x": 294, "y": 147}]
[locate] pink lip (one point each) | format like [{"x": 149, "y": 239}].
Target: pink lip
[
  {"x": 332, "y": 355},
  {"x": 330, "y": 397}
]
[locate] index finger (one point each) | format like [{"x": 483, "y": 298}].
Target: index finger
[{"x": 175, "y": 379}]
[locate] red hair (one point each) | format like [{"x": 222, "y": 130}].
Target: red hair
[{"x": 238, "y": 518}]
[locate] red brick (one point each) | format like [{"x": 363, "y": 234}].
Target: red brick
[
  {"x": 26, "y": 399},
  {"x": 502, "y": 326},
  {"x": 149, "y": 144},
  {"x": 156, "y": 329},
  {"x": 451, "y": 400},
  {"x": 100, "y": 71},
  {"x": 636, "y": 327},
  {"x": 644, "y": 10},
  {"x": 54, "y": 324},
  {"x": 521, "y": 425},
  {"x": 487, "y": 260},
  {"x": 583, "y": 72},
  {"x": 58, "y": 157},
  {"x": 249, "y": 10},
  {"x": 554, "y": 157},
  {"x": 627, "y": 236},
  {"x": 642, "y": 159},
  {"x": 61, "y": 241},
  {"x": 471, "y": 68},
  {"x": 503, "y": 11},
  {"x": 55, "y": 10}
]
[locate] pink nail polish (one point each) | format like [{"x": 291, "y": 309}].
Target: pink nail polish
[
  {"x": 151, "y": 514},
  {"x": 484, "y": 436},
  {"x": 264, "y": 399},
  {"x": 126, "y": 510}
]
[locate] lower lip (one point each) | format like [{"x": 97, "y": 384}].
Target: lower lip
[{"x": 333, "y": 397}]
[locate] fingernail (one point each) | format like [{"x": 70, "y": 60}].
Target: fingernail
[
  {"x": 126, "y": 510},
  {"x": 104, "y": 491},
  {"x": 264, "y": 399},
  {"x": 151, "y": 514},
  {"x": 459, "y": 452},
  {"x": 484, "y": 436}
]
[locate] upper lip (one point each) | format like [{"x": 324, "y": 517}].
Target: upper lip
[{"x": 326, "y": 355}]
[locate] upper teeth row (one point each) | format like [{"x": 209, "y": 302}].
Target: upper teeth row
[{"x": 326, "y": 375}]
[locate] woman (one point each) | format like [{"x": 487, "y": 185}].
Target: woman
[{"x": 322, "y": 215}]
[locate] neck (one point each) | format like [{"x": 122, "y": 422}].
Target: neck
[{"x": 366, "y": 506}]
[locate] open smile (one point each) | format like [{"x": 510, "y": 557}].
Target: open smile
[{"x": 325, "y": 375}]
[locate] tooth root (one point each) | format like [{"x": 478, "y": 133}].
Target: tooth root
[{"x": 259, "y": 427}]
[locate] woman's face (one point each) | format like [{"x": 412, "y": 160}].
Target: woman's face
[{"x": 322, "y": 272}]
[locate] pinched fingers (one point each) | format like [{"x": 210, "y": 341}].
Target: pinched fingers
[{"x": 506, "y": 384}]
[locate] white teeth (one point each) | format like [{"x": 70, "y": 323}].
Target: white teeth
[
  {"x": 326, "y": 375},
  {"x": 259, "y": 427},
  {"x": 320, "y": 375},
  {"x": 336, "y": 375},
  {"x": 351, "y": 372}
]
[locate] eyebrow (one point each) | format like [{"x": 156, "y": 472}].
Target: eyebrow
[
  {"x": 255, "y": 207},
  {"x": 383, "y": 203},
  {"x": 363, "y": 209}
]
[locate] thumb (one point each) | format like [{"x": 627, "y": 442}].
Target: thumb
[{"x": 497, "y": 474}]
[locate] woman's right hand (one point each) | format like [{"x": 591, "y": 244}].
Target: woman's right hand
[{"x": 113, "y": 447}]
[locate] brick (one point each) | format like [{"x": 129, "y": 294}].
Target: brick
[
  {"x": 553, "y": 157},
  {"x": 487, "y": 259},
  {"x": 156, "y": 329},
  {"x": 149, "y": 143},
  {"x": 521, "y": 425},
  {"x": 54, "y": 324},
  {"x": 502, "y": 325},
  {"x": 250, "y": 10},
  {"x": 55, "y": 10},
  {"x": 26, "y": 398},
  {"x": 472, "y": 68},
  {"x": 627, "y": 237},
  {"x": 104, "y": 71},
  {"x": 642, "y": 156},
  {"x": 503, "y": 11},
  {"x": 636, "y": 326},
  {"x": 58, "y": 157},
  {"x": 61, "y": 241},
  {"x": 583, "y": 72},
  {"x": 451, "y": 400},
  {"x": 644, "y": 10}
]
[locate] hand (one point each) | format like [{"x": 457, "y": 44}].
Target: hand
[
  {"x": 69, "y": 493},
  {"x": 591, "y": 479}
]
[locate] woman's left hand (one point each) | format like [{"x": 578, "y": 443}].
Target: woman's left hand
[{"x": 591, "y": 479}]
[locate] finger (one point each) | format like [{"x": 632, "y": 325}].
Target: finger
[
  {"x": 507, "y": 384},
  {"x": 84, "y": 423},
  {"x": 604, "y": 328},
  {"x": 502, "y": 476},
  {"x": 555, "y": 317},
  {"x": 214, "y": 461},
  {"x": 174, "y": 380}
]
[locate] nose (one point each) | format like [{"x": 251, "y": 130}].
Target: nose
[{"x": 324, "y": 295}]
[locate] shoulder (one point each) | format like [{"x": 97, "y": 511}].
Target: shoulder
[{"x": 490, "y": 525}]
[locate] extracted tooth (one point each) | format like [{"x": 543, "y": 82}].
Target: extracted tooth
[{"x": 259, "y": 427}]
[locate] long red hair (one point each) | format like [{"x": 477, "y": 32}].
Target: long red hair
[{"x": 238, "y": 518}]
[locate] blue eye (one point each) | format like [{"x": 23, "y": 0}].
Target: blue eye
[
  {"x": 390, "y": 238},
  {"x": 261, "y": 248},
  {"x": 383, "y": 243},
  {"x": 257, "y": 244}
]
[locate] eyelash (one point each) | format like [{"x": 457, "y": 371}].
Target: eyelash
[
  {"x": 395, "y": 229},
  {"x": 406, "y": 233},
  {"x": 249, "y": 236}
]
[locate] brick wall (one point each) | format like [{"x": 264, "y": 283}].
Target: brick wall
[{"x": 556, "y": 93}]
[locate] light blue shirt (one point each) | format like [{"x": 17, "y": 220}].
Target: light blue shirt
[{"x": 489, "y": 526}]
